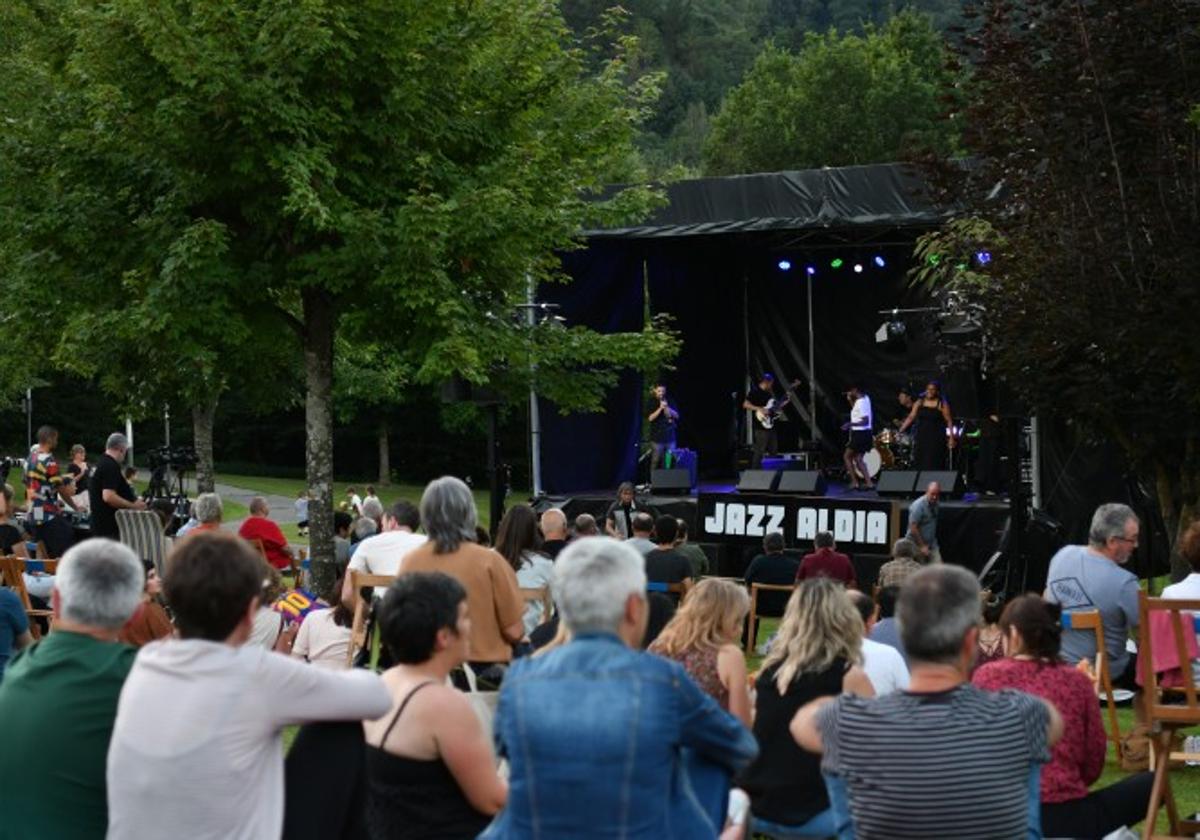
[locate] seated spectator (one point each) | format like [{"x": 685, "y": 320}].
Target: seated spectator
[
  {"x": 775, "y": 568},
  {"x": 14, "y": 627},
  {"x": 37, "y": 584},
  {"x": 196, "y": 747},
  {"x": 372, "y": 509},
  {"x": 828, "y": 562},
  {"x": 190, "y": 524},
  {"x": 703, "y": 637},
  {"x": 58, "y": 699},
  {"x": 585, "y": 526},
  {"x": 519, "y": 542},
  {"x": 362, "y": 529},
  {"x": 324, "y": 635},
  {"x": 663, "y": 563},
  {"x": 208, "y": 512},
  {"x": 943, "y": 759},
  {"x": 818, "y": 653},
  {"x": 382, "y": 553},
  {"x": 886, "y": 629},
  {"x": 1032, "y": 631},
  {"x": 694, "y": 553},
  {"x": 618, "y": 519},
  {"x": 1189, "y": 550},
  {"x": 342, "y": 523},
  {"x": 882, "y": 663},
  {"x": 431, "y": 771},
  {"x": 595, "y": 731},
  {"x": 553, "y": 525},
  {"x": 902, "y": 565},
  {"x": 151, "y": 622},
  {"x": 268, "y": 623},
  {"x": 258, "y": 526},
  {"x": 643, "y": 531},
  {"x": 448, "y": 515},
  {"x": 991, "y": 637}
]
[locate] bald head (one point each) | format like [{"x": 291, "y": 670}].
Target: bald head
[
  {"x": 554, "y": 525},
  {"x": 933, "y": 491}
]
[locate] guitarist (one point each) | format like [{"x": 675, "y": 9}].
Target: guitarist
[{"x": 761, "y": 399}]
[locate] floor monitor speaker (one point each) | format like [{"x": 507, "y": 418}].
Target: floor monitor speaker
[
  {"x": 896, "y": 482},
  {"x": 758, "y": 481},
  {"x": 677, "y": 480},
  {"x": 807, "y": 482},
  {"x": 948, "y": 479}
]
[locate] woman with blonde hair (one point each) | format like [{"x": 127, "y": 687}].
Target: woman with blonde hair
[
  {"x": 817, "y": 653},
  {"x": 703, "y": 638}
]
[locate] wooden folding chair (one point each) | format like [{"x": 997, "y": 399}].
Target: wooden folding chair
[
  {"x": 755, "y": 588},
  {"x": 1167, "y": 719},
  {"x": 539, "y": 594},
  {"x": 10, "y": 574},
  {"x": 358, "y": 628},
  {"x": 1090, "y": 620},
  {"x": 669, "y": 588}
]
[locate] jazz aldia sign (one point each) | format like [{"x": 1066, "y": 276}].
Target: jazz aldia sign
[{"x": 867, "y": 526}]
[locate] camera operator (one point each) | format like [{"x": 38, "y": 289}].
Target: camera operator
[
  {"x": 45, "y": 486},
  {"x": 108, "y": 489}
]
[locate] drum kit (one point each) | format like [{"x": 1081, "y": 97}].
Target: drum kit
[{"x": 892, "y": 450}]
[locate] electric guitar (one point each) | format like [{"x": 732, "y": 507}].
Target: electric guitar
[{"x": 769, "y": 414}]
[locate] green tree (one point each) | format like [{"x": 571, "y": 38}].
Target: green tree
[
  {"x": 841, "y": 100},
  {"x": 1084, "y": 190},
  {"x": 420, "y": 161}
]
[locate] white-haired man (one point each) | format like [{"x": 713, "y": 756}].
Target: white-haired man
[
  {"x": 595, "y": 731},
  {"x": 58, "y": 699},
  {"x": 554, "y": 532},
  {"x": 108, "y": 491}
]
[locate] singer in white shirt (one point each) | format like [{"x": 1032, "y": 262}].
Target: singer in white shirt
[{"x": 861, "y": 440}]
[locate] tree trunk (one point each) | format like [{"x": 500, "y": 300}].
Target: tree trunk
[
  {"x": 202, "y": 433},
  {"x": 385, "y": 464},
  {"x": 1177, "y": 500},
  {"x": 318, "y": 424}
]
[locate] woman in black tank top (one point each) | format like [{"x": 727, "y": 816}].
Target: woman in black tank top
[{"x": 431, "y": 772}]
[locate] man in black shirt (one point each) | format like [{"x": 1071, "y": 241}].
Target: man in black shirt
[
  {"x": 664, "y": 564},
  {"x": 554, "y": 532},
  {"x": 108, "y": 490},
  {"x": 663, "y": 419},
  {"x": 765, "y": 440},
  {"x": 772, "y": 567}
]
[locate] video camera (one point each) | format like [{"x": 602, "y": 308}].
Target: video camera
[{"x": 175, "y": 457}]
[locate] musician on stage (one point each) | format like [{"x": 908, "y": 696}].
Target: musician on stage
[
  {"x": 663, "y": 421},
  {"x": 759, "y": 400},
  {"x": 931, "y": 414},
  {"x": 860, "y": 441}
]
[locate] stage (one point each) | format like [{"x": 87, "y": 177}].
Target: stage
[{"x": 729, "y": 525}]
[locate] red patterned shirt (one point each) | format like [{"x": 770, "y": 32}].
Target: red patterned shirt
[{"x": 1077, "y": 759}]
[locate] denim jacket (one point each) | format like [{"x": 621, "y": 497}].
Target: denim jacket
[{"x": 600, "y": 739}]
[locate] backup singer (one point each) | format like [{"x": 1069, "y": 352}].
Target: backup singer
[
  {"x": 860, "y": 442},
  {"x": 931, "y": 414}
]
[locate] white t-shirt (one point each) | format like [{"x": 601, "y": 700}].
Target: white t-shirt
[
  {"x": 267, "y": 625},
  {"x": 860, "y": 414},
  {"x": 356, "y": 504},
  {"x": 195, "y": 748},
  {"x": 322, "y": 641},
  {"x": 884, "y": 667},
  {"x": 382, "y": 554},
  {"x": 1187, "y": 588},
  {"x": 536, "y": 572},
  {"x": 301, "y": 506}
]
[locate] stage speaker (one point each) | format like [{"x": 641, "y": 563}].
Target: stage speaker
[
  {"x": 948, "y": 479},
  {"x": 671, "y": 481},
  {"x": 808, "y": 482},
  {"x": 758, "y": 481},
  {"x": 896, "y": 482}
]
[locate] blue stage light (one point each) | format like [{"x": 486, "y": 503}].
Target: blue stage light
[
  {"x": 812, "y": 269},
  {"x": 879, "y": 261},
  {"x": 785, "y": 265},
  {"x": 983, "y": 257}
]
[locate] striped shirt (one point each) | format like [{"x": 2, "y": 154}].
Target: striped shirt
[{"x": 951, "y": 764}]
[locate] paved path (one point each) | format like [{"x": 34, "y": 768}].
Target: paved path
[{"x": 283, "y": 509}]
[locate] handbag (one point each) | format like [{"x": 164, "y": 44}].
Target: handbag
[{"x": 484, "y": 705}]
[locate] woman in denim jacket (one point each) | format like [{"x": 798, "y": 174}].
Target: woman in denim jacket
[{"x": 602, "y": 739}]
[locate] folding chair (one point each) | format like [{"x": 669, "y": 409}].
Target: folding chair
[
  {"x": 10, "y": 575},
  {"x": 752, "y": 630},
  {"x": 539, "y": 594},
  {"x": 1090, "y": 620},
  {"x": 1167, "y": 719},
  {"x": 358, "y": 628},
  {"x": 142, "y": 531}
]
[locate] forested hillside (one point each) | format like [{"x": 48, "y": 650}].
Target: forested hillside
[{"x": 707, "y": 47}]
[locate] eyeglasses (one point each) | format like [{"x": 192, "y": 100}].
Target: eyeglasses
[{"x": 1133, "y": 541}]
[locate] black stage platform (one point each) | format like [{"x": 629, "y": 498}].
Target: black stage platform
[{"x": 730, "y": 525}]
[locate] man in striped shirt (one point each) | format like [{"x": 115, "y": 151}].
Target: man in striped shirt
[{"x": 942, "y": 759}]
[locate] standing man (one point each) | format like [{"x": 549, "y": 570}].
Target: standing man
[
  {"x": 48, "y": 490},
  {"x": 766, "y": 440},
  {"x": 109, "y": 491},
  {"x": 618, "y": 520},
  {"x": 922, "y": 523},
  {"x": 663, "y": 420},
  {"x": 860, "y": 442}
]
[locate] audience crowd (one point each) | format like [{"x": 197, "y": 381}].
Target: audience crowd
[{"x": 559, "y": 683}]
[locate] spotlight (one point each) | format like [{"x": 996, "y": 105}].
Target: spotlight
[
  {"x": 858, "y": 268},
  {"x": 836, "y": 262},
  {"x": 983, "y": 257},
  {"x": 812, "y": 269},
  {"x": 879, "y": 261},
  {"x": 785, "y": 265}
]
